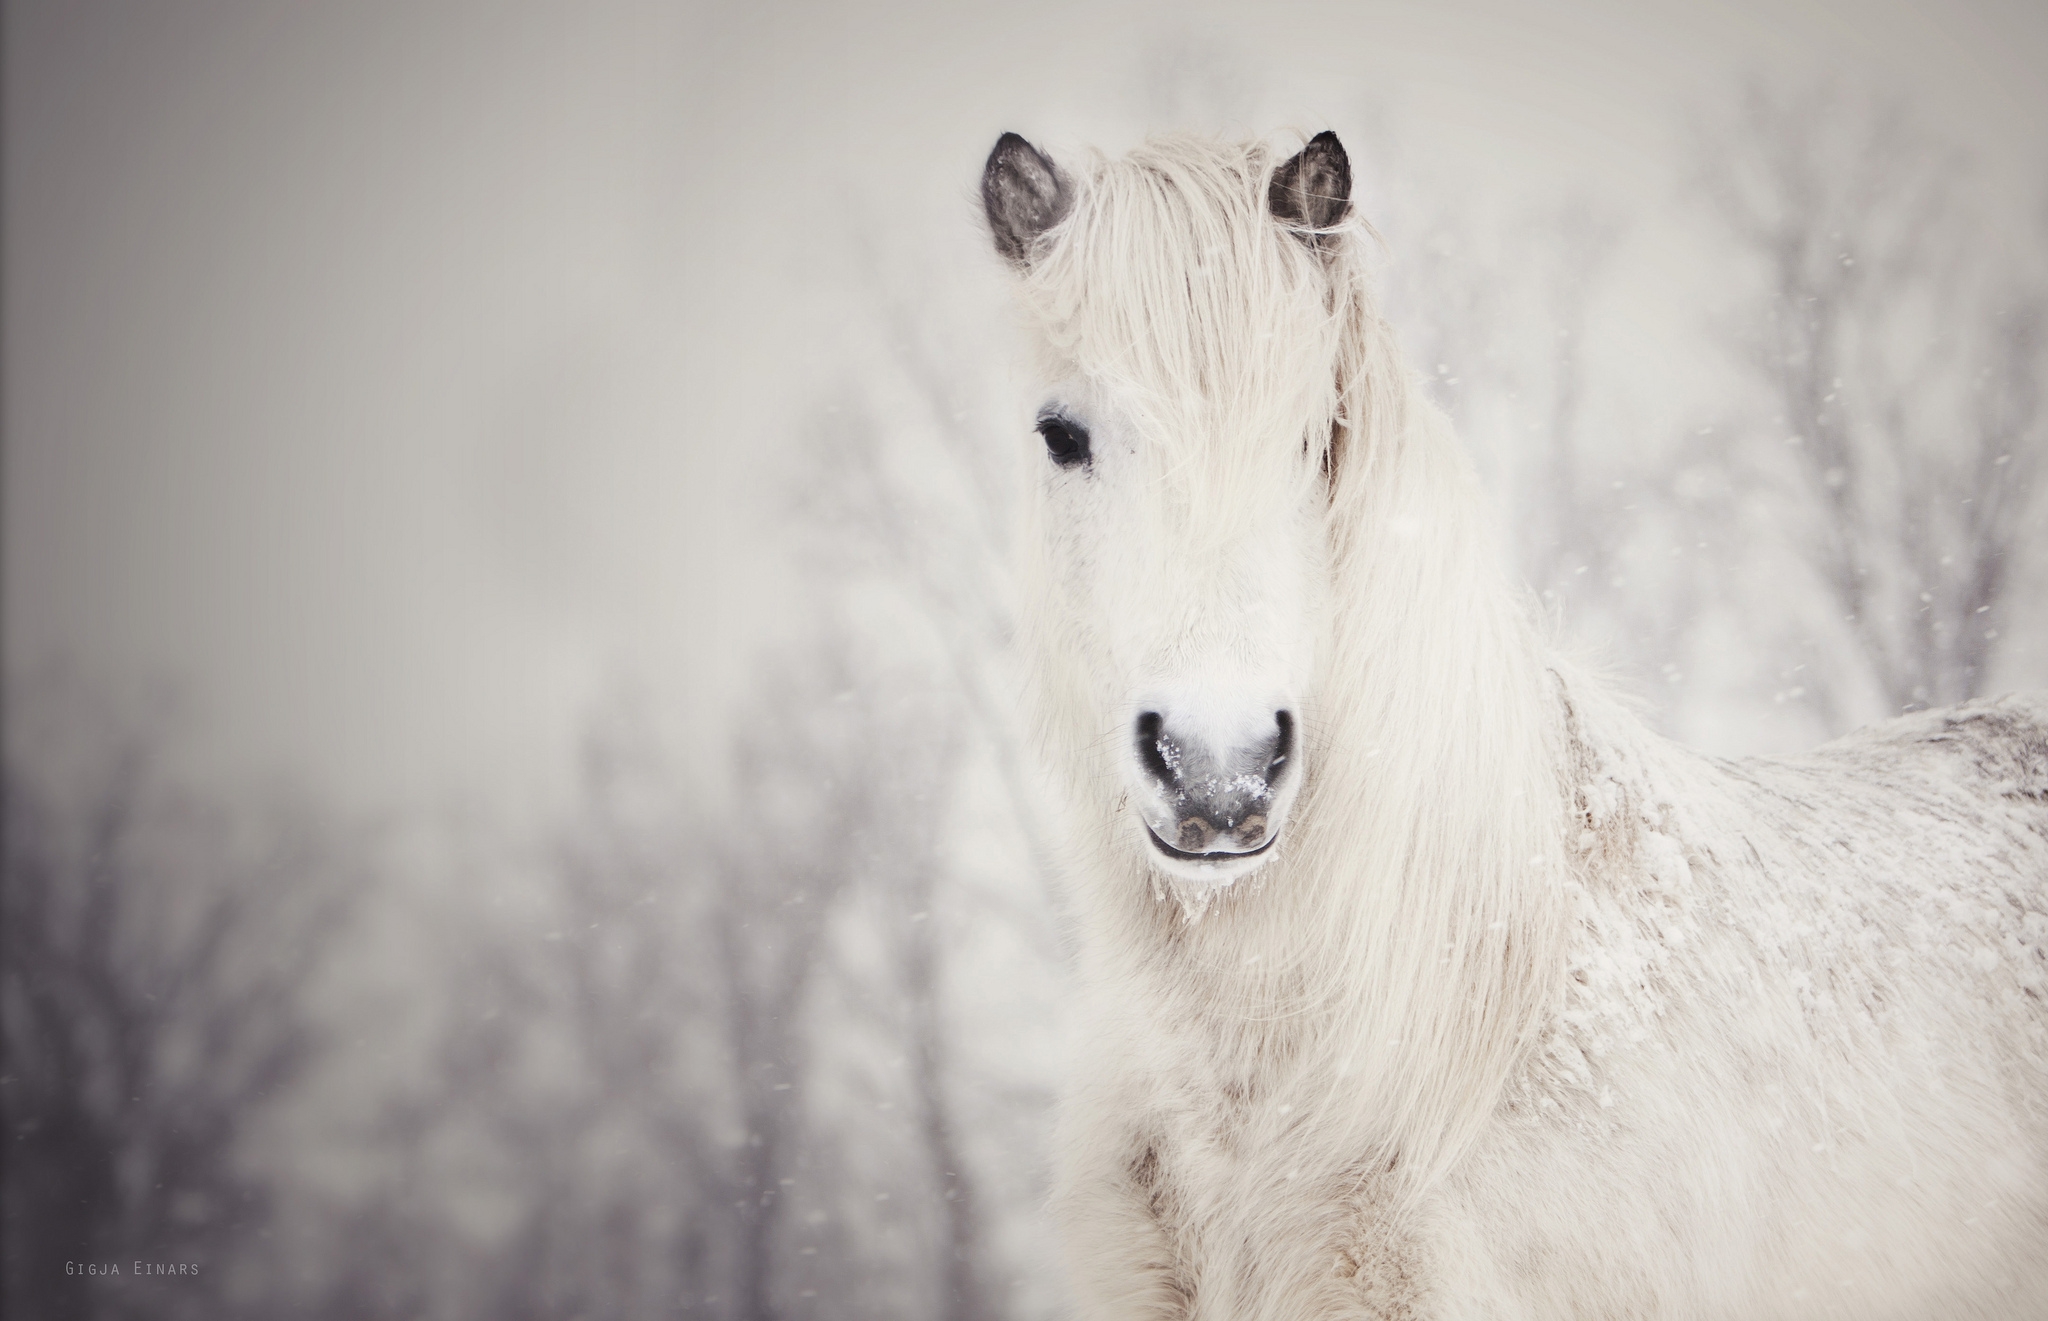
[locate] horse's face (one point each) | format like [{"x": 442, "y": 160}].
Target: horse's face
[
  {"x": 1179, "y": 513},
  {"x": 1188, "y": 627}
]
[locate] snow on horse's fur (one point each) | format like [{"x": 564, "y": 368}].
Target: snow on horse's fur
[{"x": 1531, "y": 1013}]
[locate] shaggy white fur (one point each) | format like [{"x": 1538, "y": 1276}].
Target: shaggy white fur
[{"x": 1529, "y": 1013}]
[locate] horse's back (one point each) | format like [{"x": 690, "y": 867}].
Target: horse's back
[
  {"x": 1912, "y": 862},
  {"x": 1947, "y": 794},
  {"x": 1959, "y": 798},
  {"x": 1997, "y": 747},
  {"x": 1816, "y": 1089},
  {"x": 1908, "y": 845}
]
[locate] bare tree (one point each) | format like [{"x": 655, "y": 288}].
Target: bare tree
[
  {"x": 153, "y": 970},
  {"x": 641, "y": 1079},
  {"x": 621, "y": 1217},
  {"x": 580, "y": 1083},
  {"x": 1570, "y": 526},
  {"x": 914, "y": 490},
  {"x": 1899, "y": 341},
  {"x": 915, "y": 917},
  {"x": 1498, "y": 313},
  {"x": 908, "y": 491},
  {"x": 630, "y": 1066},
  {"x": 802, "y": 770}
]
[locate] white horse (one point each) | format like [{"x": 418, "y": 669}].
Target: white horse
[{"x": 1422, "y": 979}]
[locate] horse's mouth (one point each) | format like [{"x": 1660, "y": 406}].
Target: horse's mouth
[{"x": 1217, "y": 857}]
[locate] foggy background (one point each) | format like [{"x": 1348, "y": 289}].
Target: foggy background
[{"x": 514, "y": 804}]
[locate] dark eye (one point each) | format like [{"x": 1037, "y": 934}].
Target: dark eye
[{"x": 1065, "y": 440}]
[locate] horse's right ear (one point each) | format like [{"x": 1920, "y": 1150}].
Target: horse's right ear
[
  {"x": 1024, "y": 194},
  {"x": 1311, "y": 192}
]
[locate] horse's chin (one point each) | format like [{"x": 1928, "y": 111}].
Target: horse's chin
[{"x": 1211, "y": 871}]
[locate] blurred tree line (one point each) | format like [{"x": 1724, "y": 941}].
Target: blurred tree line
[
  {"x": 771, "y": 1032},
  {"x": 1852, "y": 531},
  {"x": 151, "y": 958}
]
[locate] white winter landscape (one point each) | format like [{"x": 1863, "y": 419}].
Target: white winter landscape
[{"x": 518, "y": 801}]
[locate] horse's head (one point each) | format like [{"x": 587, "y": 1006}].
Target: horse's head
[{"x": 1189, "y": 326}]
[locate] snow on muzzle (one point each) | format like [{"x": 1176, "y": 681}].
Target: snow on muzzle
[{"x": 1212, "y": 793}]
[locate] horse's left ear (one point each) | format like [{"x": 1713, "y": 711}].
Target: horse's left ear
[
  {"x": 1312, "y": 191},
  {"x": 1024, "y": 195}
]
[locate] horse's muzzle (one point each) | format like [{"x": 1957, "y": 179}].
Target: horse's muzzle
[{"x": 1211, "y": 806}]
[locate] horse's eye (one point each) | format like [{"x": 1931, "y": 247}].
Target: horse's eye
[{"x": 1066, "y": 441}]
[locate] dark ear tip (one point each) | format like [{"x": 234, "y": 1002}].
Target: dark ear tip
[
  {"x": 1015, "y": 147},
  {"x": 1325, "y": 144}
]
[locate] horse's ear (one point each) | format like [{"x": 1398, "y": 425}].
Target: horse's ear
[
  {"x": 1312, "y": 191},
  {"x": 1024, "y": 194}
]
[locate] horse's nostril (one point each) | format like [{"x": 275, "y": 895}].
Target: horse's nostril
[
  {"x": 1152, "y": 750},
  {"x": 1282, "y": 746}
]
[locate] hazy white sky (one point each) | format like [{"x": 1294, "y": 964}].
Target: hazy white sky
[{"x": 393, "y": 378}]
